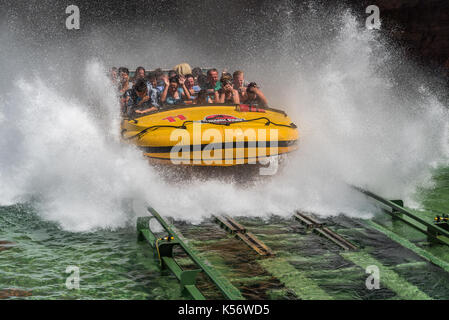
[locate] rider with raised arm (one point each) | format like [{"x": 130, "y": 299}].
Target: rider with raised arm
[
  {"x": 173, "y": 90},
  {"x": 191, "y": 87}
]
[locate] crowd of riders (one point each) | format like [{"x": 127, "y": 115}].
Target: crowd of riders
[{"x": 149, "y": 91}]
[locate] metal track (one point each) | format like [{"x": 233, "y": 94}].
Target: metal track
[
  {"x": 319, "y": 228},
  {"x": 240, "y": 232},
  {"x": 164, "y": 247}
]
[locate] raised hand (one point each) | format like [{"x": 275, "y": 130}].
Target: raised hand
[
  {"x": 166, "y": 82},
  {"x": 182, "y": 80}
]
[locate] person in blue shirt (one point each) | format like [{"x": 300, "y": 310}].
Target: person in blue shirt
[{"x": 174, "y": 88}]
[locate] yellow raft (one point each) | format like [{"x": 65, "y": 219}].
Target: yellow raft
[{"x": 212, "y": 134}]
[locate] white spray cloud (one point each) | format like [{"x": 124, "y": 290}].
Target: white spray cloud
[{"x": 64, "y": 150}]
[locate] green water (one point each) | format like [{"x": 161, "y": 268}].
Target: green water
[
  {"x": 34, "y": 255},
  {"x": 112, "y": 264}
]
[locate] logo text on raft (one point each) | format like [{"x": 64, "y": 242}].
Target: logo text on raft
[{"x": 221, "y": 119}]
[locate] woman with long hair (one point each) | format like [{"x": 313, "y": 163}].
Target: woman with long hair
[{"x": 174, "y": 88}]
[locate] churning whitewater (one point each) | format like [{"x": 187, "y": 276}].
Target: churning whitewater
[{"x": 363, "y": 118}]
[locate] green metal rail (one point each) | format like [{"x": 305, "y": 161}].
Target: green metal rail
[
  {"x": 164, "y": 248},
  {"x": 398, "y": 211}
]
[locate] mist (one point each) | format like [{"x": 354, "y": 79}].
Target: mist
[{"x": 367, "y": 115}]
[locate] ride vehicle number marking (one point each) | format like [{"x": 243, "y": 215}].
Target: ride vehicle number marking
[{"x": 172, "y": 119}]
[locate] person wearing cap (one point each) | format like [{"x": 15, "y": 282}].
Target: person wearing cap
[{"x": 254, "y": 96}]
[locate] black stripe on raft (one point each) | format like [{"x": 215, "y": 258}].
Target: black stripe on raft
[{"x": 221, "y": 145}]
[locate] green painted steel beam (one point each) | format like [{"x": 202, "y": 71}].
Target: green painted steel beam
[
  {"x": 430, "y": 229},
  {"x": 225, "y": 287},
  {"x": 186, "y": 277}
]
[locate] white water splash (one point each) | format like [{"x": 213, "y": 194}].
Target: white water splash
[{"x": 356, "y": 127}]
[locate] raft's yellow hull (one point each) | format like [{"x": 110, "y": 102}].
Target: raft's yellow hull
[{"x": 212, "y": 135}]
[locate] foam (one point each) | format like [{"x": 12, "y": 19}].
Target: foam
[{"x": 61, "y": 148}]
